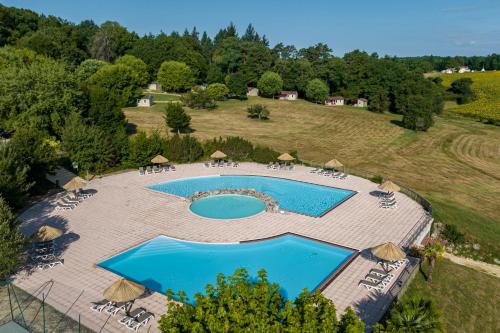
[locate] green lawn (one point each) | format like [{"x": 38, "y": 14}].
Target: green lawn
[
  {"x": 456, "y": 163},
  {"x": 470, "y": 300},
  {"x": 164, "y": 97}
]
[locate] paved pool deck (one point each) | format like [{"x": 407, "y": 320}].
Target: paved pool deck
[{"x": 124, "y": 213}]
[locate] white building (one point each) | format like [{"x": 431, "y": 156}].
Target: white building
[
  {"x": 335, "y": 101},
  {"x": 251, "y": 91},
  {"x": 360, "y": 103},
  {"x": 289, "y": 95},
  {"x": 145, "y": 101},
  {"x": 464, "y": 69},
  {"x": 153, "y": 86}
]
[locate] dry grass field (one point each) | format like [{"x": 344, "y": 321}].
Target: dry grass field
[{"x": 456, "y": 163}]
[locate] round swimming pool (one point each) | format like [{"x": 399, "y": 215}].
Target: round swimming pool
[{"x": 227, "y": 206}]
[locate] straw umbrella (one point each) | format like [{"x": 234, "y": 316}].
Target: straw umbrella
[
  {"x": 333, "y": 164},
  {"x": 389, "y": 187},
  {"x": 46, "y": 233},
  {"x": 159, "y": 159},
  {"x": 74, "y": 184},
  {"x": 218, "y": 155},
  {"x": 123, "y": 290},
  {"x": 388, "y": 252}
]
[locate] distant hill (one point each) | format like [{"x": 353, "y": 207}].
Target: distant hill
[{"x": 487, "y": 88}]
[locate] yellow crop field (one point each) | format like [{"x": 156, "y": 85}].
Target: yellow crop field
[{"x": 487, "y": 88}]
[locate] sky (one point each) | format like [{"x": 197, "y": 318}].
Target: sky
[{"x": 393, "y": 27}]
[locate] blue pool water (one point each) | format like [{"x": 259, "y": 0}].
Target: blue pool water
[
  {"x": 305, "y": 198},
  {"x": 166, "y": 263},
  {"x": 227, "y": 206}
]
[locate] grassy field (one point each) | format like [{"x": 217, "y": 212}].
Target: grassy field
[
  {"x": 456, "y": 164},
  {"x": 487, "y": 88},
  {"x": 164, "y": 97},
  {"x": 470, "y": 300}
]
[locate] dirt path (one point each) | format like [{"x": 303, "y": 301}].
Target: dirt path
[{"x": 477, "y": 265}]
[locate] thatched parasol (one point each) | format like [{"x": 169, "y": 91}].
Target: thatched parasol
[
  {"x": 74, "y": 184},
  {"x": 286, "y": 157},
  {"x": 123, "y": 290},
  {"x": 218, "y": 155},
  {"x": 388, "y": 251},
  {"x": 158, "y": 159},
  {"x": 333, "y": 164},
  {"x": 46, "y": 233},
  {"x": 389, "y": 186}
]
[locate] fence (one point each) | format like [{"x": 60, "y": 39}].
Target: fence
[
  {"x": 379, "y": 179},
  {"x": 34, "y": 314}
]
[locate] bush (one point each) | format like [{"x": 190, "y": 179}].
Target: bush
[
  {"x": 234, "y": 147},
  {"x": 143, "y": 148},
  {"x": 451, "y": 234},
  {"x": 176, "y": 118},
  {"x": 184, "y": 149},
  {"x": 246, "y": 304},
  {"x": 217, "y": 91},
  {"x": 199, "y": 99},
  {"x": 264, "y": 155},
  {"x": 258, "y": 111}
]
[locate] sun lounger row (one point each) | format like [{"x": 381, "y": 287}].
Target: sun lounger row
[
  {"x": 43, "y": 255},
  {"x": 395, "y": 265},
  {"x": 329, "y": 173},
  {"x": 133, "y": 320},
  {"x": 280, "y": 166},
  {"x": 221, "y": 164},
  {"x": 70, "y": 201},
  {"x": 156, "y": 169},
  {"x": 376, "y": 279}
]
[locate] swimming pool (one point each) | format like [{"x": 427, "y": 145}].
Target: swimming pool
[
  {"x": 305, "y": 198},
  {"x": 167, "y": 263},
  {"x": 227, "y": 206}
]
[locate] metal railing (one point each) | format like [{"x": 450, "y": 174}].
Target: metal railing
[{"x": 416, "y": 231}]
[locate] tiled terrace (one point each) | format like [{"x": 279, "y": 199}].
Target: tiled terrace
[{"x": 123, "y": 213}]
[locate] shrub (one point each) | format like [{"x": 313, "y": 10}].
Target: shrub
[
  {"x": 176, "y": 118},
  {"x": 264, "y": 154},
  {"x": 199, "y": 99},
  {"x": 246, "y": 304},
  {"x": 143, "y": 148},
  {"x": 217, "y": 91},
  {"x": 258, "y": 111},
  {"x": 234, "y": 147},
  {"x": 184, "y": 149},
  {"x": 451, "y": 234}
]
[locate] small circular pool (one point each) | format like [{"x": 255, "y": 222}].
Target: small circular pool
[{"x": 227, "y": 206}]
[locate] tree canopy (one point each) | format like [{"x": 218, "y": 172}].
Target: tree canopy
[
  {"x": 12, "y": 242},
  {"x": 270, "y": 84},
  {"x": 175, "y": 76},
  {"x": 317, "y": 90}
]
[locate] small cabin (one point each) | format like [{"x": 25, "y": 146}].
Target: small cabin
[
  {"x": 335, "y": 101},
  {"x": 360, "y": 103},
  {"x": 145, "y": 101},
  {"x": 252, "y": 92},
  {"x": 288, "y": 95},
  {"x": 464, "y": 69},
  {"x": 153, "y": 86}
]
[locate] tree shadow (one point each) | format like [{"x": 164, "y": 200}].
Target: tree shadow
[
  {"x": 378, "y": 194},
  {"x": 372, "y": 308},
  {"x": 131, "y": 128},
  {"x": 397, "y": 123},
  {"x": 187, "y": 130}
]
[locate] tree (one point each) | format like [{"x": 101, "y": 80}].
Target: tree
[
  {"x": 350, "y": 322},
  {"x": 270, "y": 84},
  {"x": 258, "y": 111},
  {"x": 462, "y": 88},
  {"x": 12, "y": 242},
  {"x": 185, "y": 149},
  {"x": 414, "y": 315},
  {"x": 88, "y": 68},
  {"x": 418, "y": 113},
  {"x": 110, "y": 89},
  {"x": 14, "y": 184},
  {"x": 175, "y": 76},
  {"x": 36, "y": 91},
  {"x": 89, "y": 146},
  {"x": 199, "y": 98},
  {"x": 176, "y": 118},
  {"x": 143, "y": 148},
  {"x": 317, "y": 90},
  {"x": 432, "y": 252},
  {"x": 217, "y": 91},
  {"x": 248, "y": 304},
  {"x": 237, "y": 85},
  {"x": 137, "y": 65},
  {"x": 378, "y": 101},
  {"x": 110, "y": 41}
]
